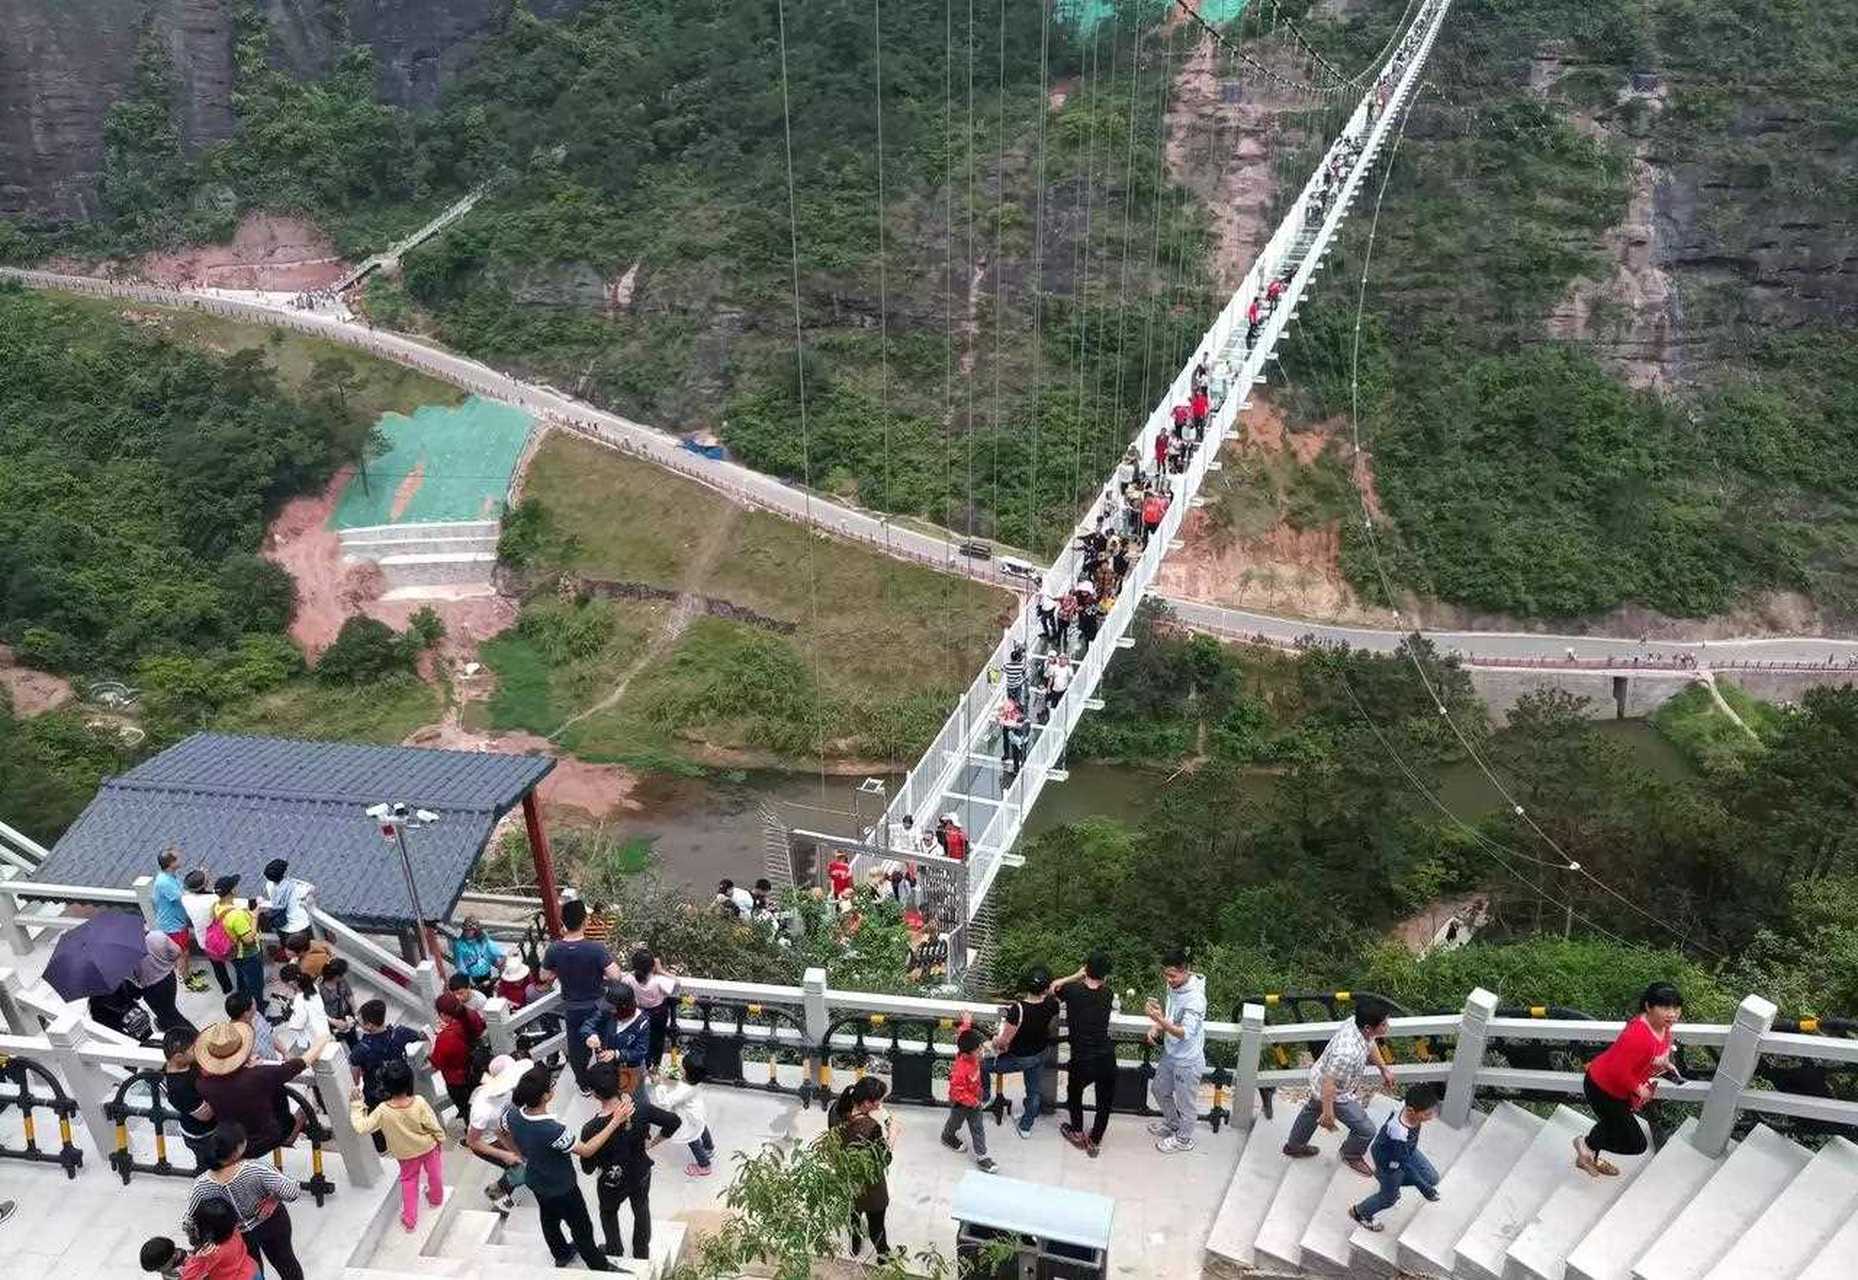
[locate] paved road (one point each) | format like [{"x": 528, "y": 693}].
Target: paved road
[
  {"x": 1498, "y": 648},
  {"x": 941, "y": 551}
]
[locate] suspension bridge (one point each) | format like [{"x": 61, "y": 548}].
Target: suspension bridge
[{"x": 962, "y": 773}]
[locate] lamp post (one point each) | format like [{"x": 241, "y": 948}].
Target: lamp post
[{"x": 394, "y": 819}]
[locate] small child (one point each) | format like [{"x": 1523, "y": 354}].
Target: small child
[
  {"x": 683, "y": 1098},
  {"x": 964, "y": 1096},
  {"x": 1397, "y": 1161},
  {"x": 414, "y": 1137},
  {"x": 162, "y": 1257},
  {"x": 222, "y": 1254}
]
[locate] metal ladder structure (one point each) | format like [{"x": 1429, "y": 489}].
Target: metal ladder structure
[{"x": 961, "y": 773}]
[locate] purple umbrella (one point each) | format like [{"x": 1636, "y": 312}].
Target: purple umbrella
[{"x": 96, "y": 957}]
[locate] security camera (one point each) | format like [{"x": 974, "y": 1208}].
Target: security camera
[{"x": 425, "y": 815}]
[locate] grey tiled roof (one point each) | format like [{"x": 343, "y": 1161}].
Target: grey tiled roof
[{"x": 234, "y": 803}]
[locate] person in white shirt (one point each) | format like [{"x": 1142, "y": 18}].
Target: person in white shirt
[
  {"x": 684, "y": 1099},
  {"x": 198, "y": 902},
  {"x": 308, "y": 1020},
  {"x": 288, "y": 900}
]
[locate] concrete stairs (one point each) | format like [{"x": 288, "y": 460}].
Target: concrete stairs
[
  {"x": 454, "y": 553},
  {"x": 1513, "y": 1207}
]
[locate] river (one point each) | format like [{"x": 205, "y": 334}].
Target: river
[{"x": 703, "y": 829}]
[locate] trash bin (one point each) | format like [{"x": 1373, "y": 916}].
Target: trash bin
[{"x": 1052, "y": 1233}]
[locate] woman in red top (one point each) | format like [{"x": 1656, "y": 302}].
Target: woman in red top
[
  {"x": 1619, "y": 1081},
  {"x": 460, "y": 1028}
]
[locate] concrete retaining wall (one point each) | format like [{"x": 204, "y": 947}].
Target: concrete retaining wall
[{"x": 1632, "y": 694}]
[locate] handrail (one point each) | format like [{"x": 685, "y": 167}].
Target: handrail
[{"x": 68, "y": 892}]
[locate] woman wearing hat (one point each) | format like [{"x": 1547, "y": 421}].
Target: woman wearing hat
[
  {"x": 247, "y": 1093},
  {"x": 488, "y": 1103},
  {"x": 513, "y": 982}
]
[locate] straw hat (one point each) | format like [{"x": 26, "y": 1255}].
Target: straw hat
[
  {"x": 514, "y": 970},
  {"x": 223, "y": 1048},
  {"x": 501, "y": 1076}
]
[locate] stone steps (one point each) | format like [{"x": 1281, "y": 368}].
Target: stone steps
[
  {"x": 1302, "y": 1190},
  {"x": 1743, "y": 1186},
  {"x": 1540, "y": 1251},
  {"x": 1636, "y": 1217},
  {"x": 1254, "y": 1185},
  {"x": 1545, "y": 1167},
  {"x": 1429, "y": 1245},
  {"x": 1803, "y": 1217}
]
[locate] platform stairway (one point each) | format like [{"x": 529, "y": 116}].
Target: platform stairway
[{"x": 1512, "y": 1206}]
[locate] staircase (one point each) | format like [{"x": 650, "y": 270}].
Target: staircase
[
  {"x": 1513, "y": 1207},
  {"x": 433, "y": 558}
]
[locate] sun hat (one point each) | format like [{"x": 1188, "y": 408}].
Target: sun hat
[
  {"x": 501, "y": 1076},
  {"x": 223, "y": 1048},
  {"x": 514, "y": 970}
]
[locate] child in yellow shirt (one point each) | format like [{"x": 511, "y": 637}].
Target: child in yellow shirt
[{"x": 414, "y": 1137}]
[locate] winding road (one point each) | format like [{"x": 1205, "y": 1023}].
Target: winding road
[{"x": 939, "y": 550}]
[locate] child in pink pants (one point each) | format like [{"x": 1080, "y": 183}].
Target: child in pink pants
[{"x": 414, "y": 1137}]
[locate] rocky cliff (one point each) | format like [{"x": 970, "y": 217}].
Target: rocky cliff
[{"x": 63, "y": 63}]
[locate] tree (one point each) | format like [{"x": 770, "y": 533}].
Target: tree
[
  {"x": 260, "y": 594},
  {"x": 334, "y": 387},
  {"x": 365, "y": 650}
]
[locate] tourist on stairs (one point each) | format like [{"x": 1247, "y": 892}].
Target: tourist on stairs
[
  {"x": 1397, "y": 1161},
  {"x": 1619, "y": 1081},
  {"x": 1335, "y": 1084}
]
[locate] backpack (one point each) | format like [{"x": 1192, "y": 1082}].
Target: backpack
[
  {"x": 216, "y": 942},
  {"x": 481, "y": 1054}
]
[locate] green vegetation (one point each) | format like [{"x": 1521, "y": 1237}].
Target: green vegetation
[
  {"x": 386, "y": 711},
  {"x": 50, "y": 767},
  {"x": 135, "y": 477},
  {"x": 1711, "y": 740},
  {"x": 876, "y": 652},
  {"x": 1298, "y": 884},
  {"x": 1524, "y": 477}
]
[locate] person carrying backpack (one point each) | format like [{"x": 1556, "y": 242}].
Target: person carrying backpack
[
  {"x": 233, "y": 936},
  {"x": 376, "y": 1045}
]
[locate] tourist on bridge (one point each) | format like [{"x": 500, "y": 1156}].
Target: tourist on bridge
[
  {"x": 1201, "y": 406},
  {"x": 1088, "y": 1002},
  {"x": 257, "y": 1194},
  {"x": 583, "y": 968},
  {"x": 1154, "y": 507},
  {"x": 954, "y": 840},
  {"x": 1335, "y": 1087},
  {"x": 548, "y": 1151},
  {"x": 1198, "y": 380},
  {"x": 1397, "y": 1159},
  {"x": 1180, "y": 1029},
  {"x": 1021, "y": 1043},
  {"x": 1621, "y": 1080},
  {"x": 1014, "y": 732},
  {"x": 1161, "y": 453},
  {"x": 1058, "y": 675}
]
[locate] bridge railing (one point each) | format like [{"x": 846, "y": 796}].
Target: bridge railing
[{"x": 970, "y": 726}]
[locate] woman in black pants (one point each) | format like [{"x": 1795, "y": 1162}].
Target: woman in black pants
[
  {"x": 855, "y": 1121},
  {"x": 1619, "y": 1081},
  {"x": 257, "y": 1192}
]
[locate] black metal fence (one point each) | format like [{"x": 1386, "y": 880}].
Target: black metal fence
[{"x": 37, "y": 1088}]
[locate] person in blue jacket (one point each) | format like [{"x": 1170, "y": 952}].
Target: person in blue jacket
[
  {"x": 476, "y": 955},
  {"x": 1397, "y": 1159},
  {"x": 618, "y": 1031}
]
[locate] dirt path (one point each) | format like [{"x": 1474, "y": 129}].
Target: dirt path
[{"x": 689, "y": 604}]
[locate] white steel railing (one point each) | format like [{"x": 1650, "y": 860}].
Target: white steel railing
[{"x": 933, "y": 785}]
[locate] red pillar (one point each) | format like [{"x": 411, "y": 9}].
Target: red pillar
[{"x": 544, "y": 865}]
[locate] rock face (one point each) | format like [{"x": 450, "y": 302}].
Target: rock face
[{"x": 63, "y": 63}]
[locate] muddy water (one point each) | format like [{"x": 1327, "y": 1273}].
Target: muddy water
[{"x": 703, "y": 829}]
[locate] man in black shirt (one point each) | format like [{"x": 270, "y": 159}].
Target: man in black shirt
[
  {"x": 622, "y": 1171},
  {"x": 583, "y": 969},
  {"x": 1021, "y": 1043},
  {"x": 180, "y": 1084},
  {"x": 1087, "y": 999}
]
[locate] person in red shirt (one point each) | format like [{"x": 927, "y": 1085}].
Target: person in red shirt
[
  {"x": 1201, "y": 405},
  {"x": 1254, "y": 313},
  {"x": 1619, "y": 1081},
  {"x": 1274, "y": 291},
  {"x": 956, "y": 844},
  {"x": 460, "y": 1028},
  {"x": 513, "y": 982},
  {"x": 222, "y": 1254},
  {"x": 1153, "y": 508},
  {"x": 964, "y": 1098},
  {"x": 839, "y": 871},
  {"x": 1161, "y": 452},
  {"x": 1180, "y": 418}
]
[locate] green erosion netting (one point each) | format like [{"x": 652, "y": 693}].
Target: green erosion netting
[
  {"x": 1088, "y": 13},
  {"x": 441, "y": 464}
]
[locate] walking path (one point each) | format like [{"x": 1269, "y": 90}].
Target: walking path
[{"x": 941, "y": 550}]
